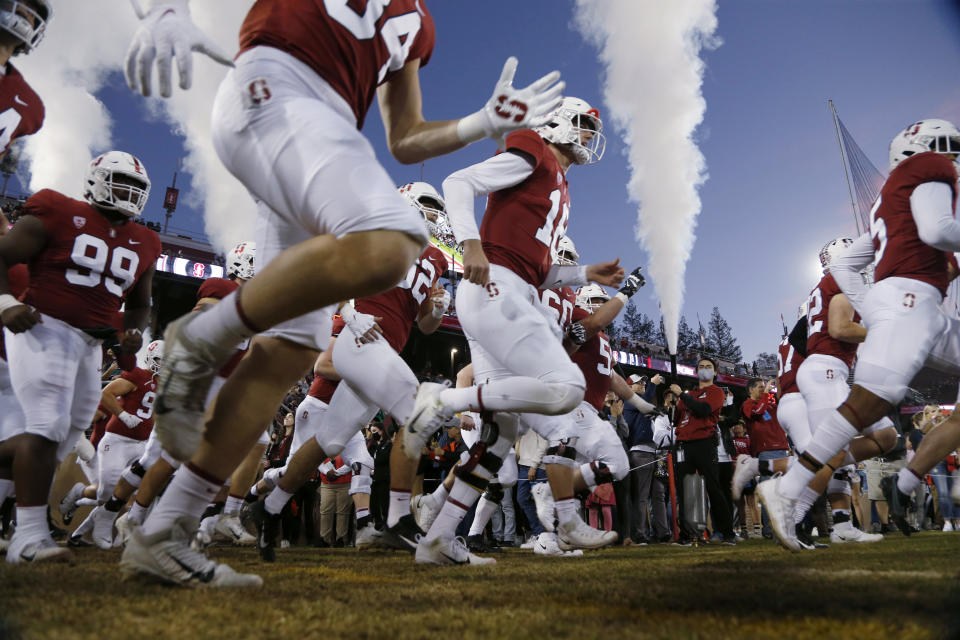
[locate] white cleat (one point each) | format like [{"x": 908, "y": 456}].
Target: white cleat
[
  {"x": 369, "y": 538},
  {"x": 577, "y": 534},
  {"x": 780, "y": 511},
  {"x": 428, "y": 415},
  {"x": 229, "y": 528},
  {"x": 68, "y": 503},
  {"x": 446, "y": 551},
  {"x": 546, "y": 545},
  {"x": 846, "y": 532},
  {"x": 747, "y": 469},
  {"x": 167, "y": 556},
  {"x": 189, "y": 367},
  {"x": 543, "y": 500},
  {"x": 103, "y": 528},
  {"x": 124, "y": 528},
  {"x": 42, "y": 549},
  {"x": 424, "y": 511}
]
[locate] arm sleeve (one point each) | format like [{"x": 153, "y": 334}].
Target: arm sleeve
[
  {"x": 462, "y": 187},
  {"x": 932, "y": 206},
  {"x": 565, "y": 276},
  {"x": 698, "y": 408},
  {"x": 846, "y": 269}
]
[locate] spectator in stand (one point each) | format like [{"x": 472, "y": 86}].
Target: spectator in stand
[
  {"x": 613, "y": 413},
  {"x": 698, "y": 413},
  {"x": 380, "y": 446},
  {"x": 664, "y": 438},
  {"x": 335, "y": 502},
  {"x": 530, "y": 450},
  {"x": 642, "y": 453},
  {"x": 600, "y": 505},
  {"x": 747, "y": 504}
]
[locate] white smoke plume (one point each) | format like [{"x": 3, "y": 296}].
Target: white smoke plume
[
  {"x": 87, "y": 40},
  {"x": 652, "y": 89}
]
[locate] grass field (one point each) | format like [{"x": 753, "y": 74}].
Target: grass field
[{"x": 900, "y": 588}]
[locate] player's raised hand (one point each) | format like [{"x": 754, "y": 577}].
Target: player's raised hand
[
  {"x": 509, "y": 108},
  {"x": 167, "y": 32},
  {"x": 608, "y": 273}
]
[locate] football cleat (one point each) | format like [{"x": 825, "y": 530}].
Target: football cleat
[
  {"x": 747, "y": 469},
  {"x": 268, "y": 527},
  {"x": 103, "y": 528},
  {"x": 846, "y": 532},
  {"x": 543, "y": 500},
  {"x": 806, "y": 541},
  {"x": 424, "y": 510},
  {"x": 897, "y": 503},
  {"x": 780, "y": 511},
  {"x": 577, "y": 534},
  {"x": 429, "y": 414},
  {"x": 124, "y": 528},
  {"x": 42, "y": 549},
  {"x": 167, "y": 556},
  {"x": 403, "y": 536},
  {"x": 369, "y": 538},
  {"x": 447, "y": 551},
  {"x": 68, "y": 503},
  {"x": 546, "y": 545},
  {"x": 78, "y": 541},
  {"x": 229, "y": 527},
  {"x": 182, "y": 385}
]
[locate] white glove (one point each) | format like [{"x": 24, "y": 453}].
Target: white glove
[
  {"x": 167, "y": 31},
  {"x": 440, "y": 305},
  {"x": 510, "y": 109},
  {"x": 85, "y": 450},
  {"x": 131, "y": 421},
  {"x": 360, "y": 323}
]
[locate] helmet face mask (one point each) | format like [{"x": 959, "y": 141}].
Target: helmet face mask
[
  {"x": 153, "y": 359},
  {"x": 577, "y": 127},
  {"x": 939, "y": 136},
  {"x": 591, "y": 297},
  {"x": 429, "y": 203},
  {"x": 832, "y": 249},
  {"x": 117, "y": 181},
  {"x": 240, "y": 261},
  {"x": 25, "y": 20},
  {"x": 566, "y": 253}
]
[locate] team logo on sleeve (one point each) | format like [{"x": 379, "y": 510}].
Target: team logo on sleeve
[{"x": 79, "y": 221}]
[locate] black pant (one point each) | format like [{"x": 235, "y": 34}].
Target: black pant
[
  {"x": 379, "y": 503},
  {"x": 701, "y": 455},
  {"x": 726, "y": 477}
]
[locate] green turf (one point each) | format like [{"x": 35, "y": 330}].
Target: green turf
[{"x": 899, "y": 588}]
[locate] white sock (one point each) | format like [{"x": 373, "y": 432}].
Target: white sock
[
  {"x": 220, "y": 326},
  {"x": 566, "y": 510},
  {"x": 804, "y": 502},
  {"x": 277, "y": 500},
  {"x": 362, "y": 512},
  {"x": 86, "y": 525},
  {"x": 461, "y": 498},
  {"x": 907, "y": 482},
  {"x": 32, "y": 522},
  {"x": 136, "y": 513},
  {"x": 439, "y": 496},
  {"x": 86, "y": 502},
  {"x": 232, "y": 506},
  {"x": 399, "y": 506},
  {"x": 188, "y": 495},
  {"x": 832, "y": 435},
  {"x": 6, "y": 490},
  {"x": 794, "y": 481},
  {"x": 517, "y": 393},
  {"x": 481, "y": 517}
]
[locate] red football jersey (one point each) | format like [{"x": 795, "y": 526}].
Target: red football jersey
[
  {"x": 399, "y": 307},
  {"x": 21, "y": 110},
  {"x": 354, "y": 45},
  {"x": 595, "y": 360},
  {"x": 899, "y": 251},
  {"x": 689, "y": 426},
  {"x": 138, "y": 402},
  {"x": 818, "y": 323},
  {"x": 561, "y": 303},
  {"x": 523, "y": 223},
  {"x": 88, "y": 265},
  {"x": 220, "y": 288},
  {"x": 788, "y": 362}
]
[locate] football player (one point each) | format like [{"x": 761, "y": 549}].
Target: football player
[
  {"x": 912, "y": 228},
  {"x": 330, "y": 229},
  {"x": 86, "y": 259},
  {"x": 366, "y": 356}
]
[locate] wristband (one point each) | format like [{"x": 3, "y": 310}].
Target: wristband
[
  {"x": 7, "y": 301},
  {"x": 471, "y": 128},
  {"x": 622, "y": 297}
]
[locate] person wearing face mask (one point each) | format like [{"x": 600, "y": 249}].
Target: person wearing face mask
[{"x": 696, "y": 417}]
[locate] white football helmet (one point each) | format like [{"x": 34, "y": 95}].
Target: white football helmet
[
  {"x": 428, "y": 202},
  {"x": 26, "y": 20},
  {"x": 153, "y": 358},
  {"x": 833, "y": 249},
  {"x": 591, "y": 297},
  {"x": 240, "y": 260},
  {"x": 566, "y": 252},
  {"x": 117, "y": 181},
  {"x": 577, "y": 124},
  {"x": 933, "y": 134}
]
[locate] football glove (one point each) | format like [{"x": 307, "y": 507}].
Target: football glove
[
  {"x": 509, "y": 109},
  {"x": 166, "y": 32},
  {"x": 633, "y": 282},
  {"x": 359, "y": 323},
  {"x": 440, "y": 305},
  {"x": 577, "y": 333},
  {"x": 130, "y": 420}
]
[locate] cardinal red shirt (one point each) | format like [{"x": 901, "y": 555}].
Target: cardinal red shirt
[
  {"x": 21, "y": 110},
  {"x": 220, "y": 288},
  {"x": 689, "y": 426},
  {"x": 560, "y": 303},
  {"x": 354, "y": 45},
  {"x": 399, "y": 307},
  {"x": 87, "y": 266},
  {"x": 138, "y": 402},
  {"x": 523, "y": 223},
  {"x": 818, "y": 324},
  {"x": 897, "y": 245},
  {"x": 766, "y": 434},
  {"x": 595, "y": 360},
  {"x": 788, "y": 362}
]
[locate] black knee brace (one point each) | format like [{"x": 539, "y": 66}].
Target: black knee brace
[
  {"x": 494, "y": 492},
  {"x": 136, "y": 469},
  {"x": 562, "y": 450},
  {"x": 478, "y": 455},
  {"x": 601, "y": 472},
  {"x": 813, "y": 462}
]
